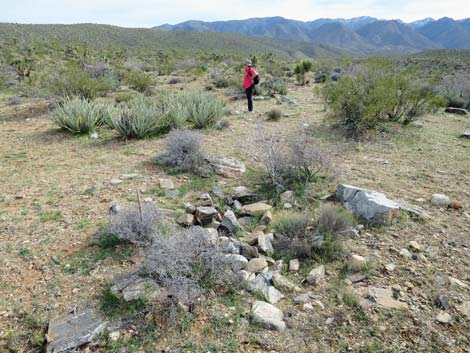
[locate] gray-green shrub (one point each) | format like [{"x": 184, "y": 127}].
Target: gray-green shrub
[
  {"x": 204, "y": 109},
  {"x": 143, "y": 118},
  {"x": 274, "y": 114},
  {"x": 78, "y": 115}
]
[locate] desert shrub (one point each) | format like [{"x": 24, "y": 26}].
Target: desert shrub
[
  {"x": 185, "y": 152},
  {"x": 292, "y": 224},
  {"x": 204, "y": 109},
  {"x": 456, "y": 89},
  {"x": 176, "y": 108},
  {"x": 333, "y": 219},
  {"x": 141, "y": 119},
  {"x": 274, "y": 114},
  {"x": 78, "y": 115},
  {"x": 301, "y": 69},
  {"x": 74, "y": 81},
  {"x": 136, "y": 224},
  {"x": 138, "y": 80},
  {"x": 360, "y": 103},
  {"x": 186, "y": 264},
  {"x": 14, "y": 100},
  {"x": 279, "y": 86},
  {"x": 123, "y": 97},
  {"x": 98, "y": 69},
  {"x": 290, "y": 161}
]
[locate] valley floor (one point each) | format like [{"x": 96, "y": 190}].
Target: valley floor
[{"x": 55, "y": 191}]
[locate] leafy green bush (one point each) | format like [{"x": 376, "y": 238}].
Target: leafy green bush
[
  {"x": 138, "y": 80},
  {"x": 301, "y": 69},
  {"x": 143, "y": 118},
  {"x": 77, "y": 82},
  {"x": 78, "y": 115},
  {"x": 361, "y": 102},
  {"x": 292, "y": 224}
]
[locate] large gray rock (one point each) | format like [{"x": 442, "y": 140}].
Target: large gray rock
[
  {"x": 230, "y": 222},
  {"x": 282, "y": 283},
  {"x": 74, "y": 330},
  {"x": 440, "y": 200},
  {"x": 205, "y": 215},
  {"x": 264, "y": 243},
  {"x": 237, "y": 262},
  {"x": 272, "y": 295},
  {"x": 227, "y": 167},
  {"x": 256, "y": 265},
  {"x": 370, "y": 205},
  {"x": 316, "y": 275},
  {"x": 268, "y": 316},
  {"x": 384, "y": 297},
  {"x": 133, "y": 287}
]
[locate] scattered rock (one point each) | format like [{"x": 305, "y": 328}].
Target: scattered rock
[
  {"x": 357, "y": 262},
  {"x": 133, "y": 287},
  {"x": 417, "y": 123},
  {"x": 308, "y": 306},
  {"x": 256, "y": 265},
  {"x": 227, "y": 167},
  {"x": 268, "y": 316},
  {"x": 384, "y": 297},
  {"x": 415, "y": 246},
  {"x": 230, "y": 222},
  {"x": 130, "y": 176},
  {"x": 256, "y": 209},
  {"x": 294, "y": 265},
  {"x": 302, "y": 298},
  {"x": 267, "y": 218},
  {"x": 390, "y": 267},
  {"x": 316, "y": 274},
  {"x": 237, "y": 262},
  {"x": 272, "y": 295},
  {"x": 259, "y": 284},
  {"x": 186, "y": 220},
  {"x": 282, "y": 283},
  {"x": 405, "y": 253},
  {"x": 204, "y": 200},
  {"x": 287, "y": 100},
  {"x": 205, "y": 215},
  {"x": 442, "y": 301},
  {"x": 212, "y": 236},
  {"x": 264, "y": 243},
  {"x": 250, "y": 252},
  {"x": 458, "y": 111},
  {"x": 286, "y": 196},
  {"x": 370, "y": 205},
  {"x": 166, "y": 184},
  {"x": 444, "y": 318},
  {"x": 464, "y": 308},
  {"x": 440, "y": 200},
  {"x": 243, "y": 194},
  {"x": 357, "y": 277},
  {"x": 457, "y": 283},
  {"x": 189, "y": 208},
  {"x": 115, "y": 181},
  {"x": 74, "y": 330},
  {"x": 249, "y": 238}
]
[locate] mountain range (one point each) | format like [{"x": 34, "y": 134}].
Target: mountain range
[{"x": 359, "y": 35}]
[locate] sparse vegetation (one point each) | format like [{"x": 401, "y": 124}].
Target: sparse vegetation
[{"x": 274, "y": 114}]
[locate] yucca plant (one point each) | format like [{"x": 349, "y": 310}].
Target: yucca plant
[
  {"x": 205, "y": 110},
  {"x": 143, "y": 118},
  {"x": 78, "y": 115}
]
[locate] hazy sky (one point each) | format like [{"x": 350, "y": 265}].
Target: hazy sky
[{"x": 147, "y": 13}]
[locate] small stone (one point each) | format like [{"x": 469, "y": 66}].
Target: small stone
[
  {"x": 256, "y": 265},
  {"x": 116, "y": 181},
  {"x": 230, "y": 222},
  {"x": 316, "y": 274},
  {"x": 185, "y": 220},
  {"x": 464, "y": 308},
  {"x": 237, "y": 262},
  {"x": 390, "y": 267},
  {"x": 250, "y": 238},
  {"x": 205, "y": 215},
  {"x": 268, "y": 316},
  {"x": 443, "y": 317},
  {"x": 129, "y": 176},
  {"x": 385, "y": 298},
  {"x": 287, "y": 205},
  {"x": 166, "y": 184},
  {"x": 457, "y": 283},
  {"x": 357, "y": 262},
  {"x": 189, "y": 208},
  {"x": 94, "y": 136},
  {"x": 415, "y": 246},
  {"x": 409, "y": 285},
  {"x": 277, "y": 266},
  {"x": 308, "y": 306},
  {"x": 329, "y": 321},
  {"x": 267, "y": 218},
  {"x": 249, "y": 251},
  {"x": 264, "y": 244},
  {"x": 440, "y": 200},
  {"x": 114, "y": 336},
  {"x": 282, "y": 283},
  {"x": 256, "y": 209},
  {"x": 302, "y": 298},
  {"x": 272, "y": 295},
  {"x": 405, "y": 253},
  {"x": 442, "y": 301},
  {"x": 294, "y": 265}
]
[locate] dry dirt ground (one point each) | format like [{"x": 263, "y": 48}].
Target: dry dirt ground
[{"x": 55, "y": 191}]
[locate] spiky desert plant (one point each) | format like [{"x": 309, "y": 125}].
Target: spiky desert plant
[{"x": 78, "y": 115}]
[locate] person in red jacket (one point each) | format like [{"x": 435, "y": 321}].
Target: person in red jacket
[{"x": 248, "y": 82}]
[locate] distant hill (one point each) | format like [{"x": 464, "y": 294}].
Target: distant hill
[
  {"x": 103, "y": 36},
  {"x": 448, "y": 33},
  {"x": 360, "y": 35}
]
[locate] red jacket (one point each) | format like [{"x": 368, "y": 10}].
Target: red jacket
[{"x": 250, "y": 73}]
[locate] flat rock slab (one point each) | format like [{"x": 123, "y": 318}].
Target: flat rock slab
[
  {"x": 458, "y": 111},
  {"x": 74, "y": 330},
  {"x": 384, "y": 297},
  {"x": 268, "y": 316},
  {"x": 227, "y": 167},
  {"x": 256, "y": 209},
  {"x": 373, "y": 206}
]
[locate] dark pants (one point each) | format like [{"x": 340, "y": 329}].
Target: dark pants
[{"x": 249, "y": 97}]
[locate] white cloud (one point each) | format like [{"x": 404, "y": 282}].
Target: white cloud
[{"x": 145, "y": 13}]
